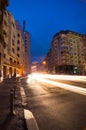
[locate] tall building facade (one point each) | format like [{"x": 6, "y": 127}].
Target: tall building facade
[
  {"x": 27, "y": 51},
  {"x": 13, "y": 53},
  {"x": 27, "y": 40},
  {"x": 68, "y": 53},
  {"x": 3, "y": 5},
  {"x": 20, "y": 48},
  {"x": 12, "y": 57},
  {"x": 14, "y": 45}
]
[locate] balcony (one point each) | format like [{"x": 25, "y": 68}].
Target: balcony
[{"x": 8, "y": 63}]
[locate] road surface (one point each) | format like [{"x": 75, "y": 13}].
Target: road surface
[{"x": 54, "y": 106}]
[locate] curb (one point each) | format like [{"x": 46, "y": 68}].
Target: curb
[
  {"x": 30, "y": 120},
  {"x": 31, "y": 123}
]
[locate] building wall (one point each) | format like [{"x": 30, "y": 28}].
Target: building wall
[
  {"x": 13, "y": 54},
  {"x": 27, "y": 51},
  {"x": 10, "y": 58},
  {"x": 13, "y": 59},
  {"x": 25, "y": 47},
  {"x": 68, "y": 52},
  {"x": 20, "y": 52},
  {"x": 3, "y": 5}
]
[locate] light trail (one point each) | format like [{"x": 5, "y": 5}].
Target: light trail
[
  {"x": 43, "y": 78},
  {"x": 61, "y": 77}
]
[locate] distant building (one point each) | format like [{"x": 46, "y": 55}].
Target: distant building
[
  {"x": 49, "y": 61},
  {"x": 34, "y": 66},
  {"x": 27, "y": 50},
  {"x": 27, "y": 40},
  {"x": 20, "y": 48}
]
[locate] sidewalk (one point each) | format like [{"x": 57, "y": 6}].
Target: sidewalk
[{"x": 8, "y": 121}]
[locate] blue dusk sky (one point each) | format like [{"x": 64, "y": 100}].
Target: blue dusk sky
[{"x": 44, "y": 18}]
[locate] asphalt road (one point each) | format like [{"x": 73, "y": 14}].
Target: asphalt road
[{"x": 56, "y": 108}]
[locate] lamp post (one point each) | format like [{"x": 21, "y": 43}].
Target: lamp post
[{"x": 44, "y": 65}]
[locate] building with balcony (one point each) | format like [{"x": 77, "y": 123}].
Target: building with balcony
[
  {"x": 27, "y": 40},
  {"x": 3, "y": 5},
  {"x": 68, "y": 53},
  {"x": 14, "y": 45},
  {"x": 13, "y": 58},
  {"x": 49, "y": 61},
  {"x": 20, "y": 48},
  {"x": 10, "y": 58}
]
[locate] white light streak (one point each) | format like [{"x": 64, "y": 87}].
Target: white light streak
[
  {"x": 79, "y": 90},
  {"x": 62, "y": 77}
]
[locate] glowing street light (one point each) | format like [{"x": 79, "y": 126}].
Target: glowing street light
[{"x": 44, "y": 62}]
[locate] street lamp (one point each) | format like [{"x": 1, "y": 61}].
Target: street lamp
[{"x": 44, "y": 62}]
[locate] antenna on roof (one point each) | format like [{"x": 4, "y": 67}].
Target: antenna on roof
[{"x": 24, "y": 25}]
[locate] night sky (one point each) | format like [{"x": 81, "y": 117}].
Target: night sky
[{"x": 44, "y": 18}]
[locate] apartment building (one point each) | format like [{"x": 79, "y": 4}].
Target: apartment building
[
  {"x": 20, "y": 48},
  {"x": 13, "y": 58},
  {"x": 27, "y": 51},
  {"x": 10, "y": 57},
  {"x": 68, "y": 53},
  {"x": 49, "y": 62},
  {"x": 3, "y": 5},
  {"x": 14, "y": 45},
  {"x": 6, "y": 34},
  {"x": 27, "y": 40}
]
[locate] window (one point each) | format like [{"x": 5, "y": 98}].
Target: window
[
  {"x": 4, "y": 55},
  {"x": 11, "y": 60},
  {"x": 4, "y": 44},
  {"x": 18, "y": 35},
  {"x": 5, "y": 13},
  {"x": 18, "y": 62},
  {"x": 12, "y": 42},
  {"x": 5, "y": 22},
  {"x": 18, "y": 48},
  {"x": 79, "y": 61},
  {"x": 0, "y": 58},
  {"x": 18, "y": 42},
  {"x": 14, "y": 61},
  {"x": 25, "y": 37},
  {"x": 18, "y": 55},
  {"x": 13, "y": 25},
  {"x": 13, "y": 50},
  {"x": 25, "y": 40},
  {"x": 4, "y": 33},
  {"x": 14, "y": 36}
]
